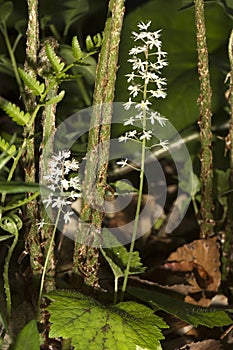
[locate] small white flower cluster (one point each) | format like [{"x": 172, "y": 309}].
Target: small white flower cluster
[
  {"x": 66, "y": 190},
  {"x": 145, "y": 81}
]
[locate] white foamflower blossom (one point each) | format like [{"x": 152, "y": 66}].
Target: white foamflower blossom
[
  {"x": 64, "y": 189},
  {"x": 129, "y": 121},
  {"x": 146, "y": 83},
  {"x": 67, "y": 216},
  {"x": 157, "y": 116},
  {"x": 122, "y": 162},
  {"x": 134, "y": 89},
  {"x": 128, "y": 104},
  {"x": 146, "y": 135},
  {"x": 143, "y": 105},
  {"x": 164, "y": 144},
  {"x": 144, "y": 26}
]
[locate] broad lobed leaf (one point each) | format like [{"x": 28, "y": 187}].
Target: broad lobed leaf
[{"x": 92, "y": 325}]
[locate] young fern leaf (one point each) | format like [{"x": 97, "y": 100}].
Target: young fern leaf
[
  {"x": 54, "y": 60},
  {"x": 56, "y": 99},
  {"x": 95, "y": 43},
  {"x": 76, "y": 49},
  {"x": 7, "y": 148},
  {"x": 32, "y": 83},
  {"x": 14, "y": 112}
]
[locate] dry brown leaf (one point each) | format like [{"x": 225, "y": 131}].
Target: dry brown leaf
[
  {"x": 201, "y": 260},
  {"x": 203, "y": 345}
]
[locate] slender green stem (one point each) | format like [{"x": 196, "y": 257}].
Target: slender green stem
[
  {"x": 13, "y": 60},
  {"x": 136, "y": 221},
  {"x": 115, "y": 290},
  {"x": 49, "y": 252},
  {"x": 19, "y": 36}
]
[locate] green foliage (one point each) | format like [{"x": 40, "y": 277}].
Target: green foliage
[
  {"x": 7, "y": 148},
  {"x": 123, "y": 187},
  {"x": 5, "y": 237},
  {"x": 14, "y": 112},
  {"x": 54, "y": 60},
  {"x": 28, "y": 338},
  {"x": 76, "y": 49},
  {"x": 73, "y": 12},
  {"x": 172, "y": 304},
  {"x": 95, "y": 43},
  {"x": 93, "y": 326},
  {"x": 6, "y": 10},
  {"x": 33, "y": 84},
  {"x": 11, "y": 223},
  {"x": 56, "y": 99},
  {"x": 117, "y": 256},
  {"x": 18, "y": 187}
]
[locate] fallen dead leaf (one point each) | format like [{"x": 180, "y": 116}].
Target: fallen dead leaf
[
  {"x": 199, "y": 261},
  {"x": 203, "y": 345}
]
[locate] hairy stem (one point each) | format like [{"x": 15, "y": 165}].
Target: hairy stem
[
  {"x": 86, "y": 258},
  {"x": 6, "y": 275},
  {"x": 32, "y": 235},
  {"x": 206, "y": 210},
  {"x": 227, "y": 261}
]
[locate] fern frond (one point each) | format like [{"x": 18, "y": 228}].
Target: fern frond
[
  {"x": 95, "y": 43},
  {"x": 7, "y": 148},
  {"x": 54, "y": 60},
  {"x": 56, "y": 99},
  {"x": 76, "y": 49},
  {"x": 32, "y": 83},
  {"x": 14, "y": 112}
]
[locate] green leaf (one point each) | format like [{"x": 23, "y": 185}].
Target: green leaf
[
  {"x": 20, "y": 202},
  {"x": 4, "y": 237},
  {"x": 7, "y": 148},
  {"x": 194, "y": 315},
  {"x": 95, "y": 43},
  {"x": 11, "y": 223},
  {"x": 56, "y": 99},
  {"x": 76, "y": 49},
  {"x": 14, "y": 112},
  {"x": 124, "y": 187},
  {"x": 18, "y": 187},
  {"x": 28, "y": 338},
  {"x": 73, "y": 11},
  {"x": 54, "y": 59},
  {"x": 117, "y": 256},
  {"x": 92, "y": 325},
  {"x": 32, "y": 83},
  {"x": 6, "y": 10}
]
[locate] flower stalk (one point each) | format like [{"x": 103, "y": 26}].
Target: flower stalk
[{"x": 145, "y": 82}]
